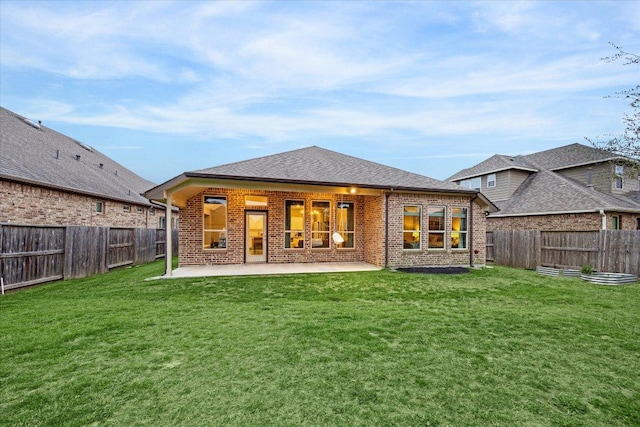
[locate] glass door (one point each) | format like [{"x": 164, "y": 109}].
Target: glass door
[{"x": 256, "y": 236}]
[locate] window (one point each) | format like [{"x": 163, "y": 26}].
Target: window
[
  {"x": 139, "y": 209},
  {"x": 126, "y": 208},
  {"x": 255, "y": 201},
  {"x": 320, "y": 224},
  {"x": 491, "y": 180},
  {"x": 345, "y": 216},
  {"x": 214, "y": 211},
  {"x": 161, "y": 223},
  {"x": 458, "y": 228},
  {"x": 637, "y": 223},
  {"x": 616, "y": 222},
  {"x": 411, "y": 227},
  {"x": 436, "y": 221},
  {"x": 473, "y": 183},
  {"x": 619, "y": 174},
  {"x": 99, "y": 207},
  {"x": 294, "y": 224}
]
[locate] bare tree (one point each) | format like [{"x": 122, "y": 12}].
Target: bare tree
[{"x": 627, "y": 144}]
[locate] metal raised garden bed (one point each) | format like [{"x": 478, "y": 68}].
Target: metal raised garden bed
[{"x": 610, "y": 278}]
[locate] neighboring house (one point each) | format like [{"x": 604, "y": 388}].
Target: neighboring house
[
  {"x": 317, "y": 205},
  {"x": 574, "y": 187},
  {"x": 47, "y": 178}
]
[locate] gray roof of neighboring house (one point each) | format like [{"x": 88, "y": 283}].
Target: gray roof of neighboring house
[
  {"x": 569, "y": 156},
  {"x": 493, "y": 164},
  {"x": 42, "y": 156},
  {"x": 549, "y": 192},
  {"x": 315, "y": 165}
]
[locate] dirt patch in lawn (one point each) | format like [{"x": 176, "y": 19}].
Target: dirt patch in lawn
[{"x": 435, "y": 270}]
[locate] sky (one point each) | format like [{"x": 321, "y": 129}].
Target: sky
[{"x": 431, "y": 87}]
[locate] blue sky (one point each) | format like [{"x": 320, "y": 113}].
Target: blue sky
[{"x": 431, "y": 87}]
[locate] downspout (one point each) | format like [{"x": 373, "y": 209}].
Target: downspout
[
  {"x": 168, "y": 252},
  {"x": 386, "y": 228},
  {"x": 471, "y": 230},
  {"x": 603, "y": 216}
]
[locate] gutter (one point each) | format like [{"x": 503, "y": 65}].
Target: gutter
[{"x": 471, "y": 231}]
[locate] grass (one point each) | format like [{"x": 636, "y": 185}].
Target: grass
[{"x": 496, "y": 347}]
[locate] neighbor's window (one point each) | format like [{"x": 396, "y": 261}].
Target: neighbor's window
[
  {"x": 126, "y": 208},
  {"x": 100, "y": 207},
  {"x": 345, "y": 216},
  {"x": 214, "y": 211},
  {"x": 458, "y": 228},
  {"x": 616, "y": 222},
  {"x": 491, "y": 180},
  {"x": 411, "y": 227},
  {"x": 294, "y": 224},
  {"x": 162, "y": 223},
  {"x": 436, "y": 221},
  {"x": 473, "y": 183},
  {"x": 637, "y": 223},
  {"x": 320, "y": 224},
  {"x": 619, "y": 175},
  {"x": 139, "y": 209}
]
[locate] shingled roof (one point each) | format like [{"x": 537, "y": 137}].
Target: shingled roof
[
  {"x": 319, "y": 166},
  {"x": 493, "y": 164},
  {"x": 569, "y": 156},
  {"x": 35, "y": 154},
  {"x": 549, "y": 192}
]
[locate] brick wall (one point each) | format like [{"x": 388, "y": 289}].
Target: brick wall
[
  {"x": 567, "y": 222},
  {"x": 399, "y": 256},
  {"x": 369, "y": 236},
  {"x": 28, "y": 204}
]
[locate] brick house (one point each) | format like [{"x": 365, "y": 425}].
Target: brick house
[
  {"x": 317, "y": 205},
  {"x": 47, "y": 178},
  {"x": 574, "y": 187}
]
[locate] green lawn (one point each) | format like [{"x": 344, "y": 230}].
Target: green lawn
[{"x": 496, "y": 347}]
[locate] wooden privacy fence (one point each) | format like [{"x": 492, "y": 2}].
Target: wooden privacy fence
[
  {"x": 36, "y": 254},
  {"x": 615, "y": 251}
]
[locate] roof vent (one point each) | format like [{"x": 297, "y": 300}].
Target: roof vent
[
  {"x": 33, "y": 124},
  {"x": 83, "y": 145},
  {"x": 101, "y": 165},
  {"x": 78, "y": 157}
]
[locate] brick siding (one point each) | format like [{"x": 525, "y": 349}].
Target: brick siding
[
  {"x": 29, "y": 204},
  {"x": 566, "y": 222},
  {"x": 369, "y": 236}
]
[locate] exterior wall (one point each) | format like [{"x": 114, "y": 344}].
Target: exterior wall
[
  {"x": 28, "y": 204},
  {"x": 400, "y": 257},
  {"x": 602, "y": 178},
  {"x": 192, "y": 251},
  {"x": 565, "y": 222},
  {"x": 369, "y": 237}
]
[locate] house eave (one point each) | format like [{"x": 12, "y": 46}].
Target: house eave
[
  {"x": 578, "y": 211},
  {"x": 490, "y": 171},
  {"x": 71, "y": 190}
]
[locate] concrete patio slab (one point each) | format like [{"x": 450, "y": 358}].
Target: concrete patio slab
[{"x": 267, "y": 269}]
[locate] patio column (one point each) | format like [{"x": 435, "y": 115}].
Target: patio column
[{"x": 168, "y": 252}]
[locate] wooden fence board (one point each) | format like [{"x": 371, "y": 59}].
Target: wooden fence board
[
  {"x": 36, "y": 254},
  {"x": 615, "y": 251}
]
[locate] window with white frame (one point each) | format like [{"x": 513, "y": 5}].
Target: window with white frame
[
  {"x": 99, "y": 207},
  {"x": 162, "y": 222},
  {"x": 411, "y": 228},
  {"x": 214, "y": 220},
  {"x": 126, "y": 208},
  {"x": 473, "y": 183},
  {"x": 436, "y": 226},
  {"x": 616, "y": 222},
  {"x": 294, "y": 224},
  {"x": 458, "y": 228},
  {"x": 345, "y": 216},
  {"x": 491, "y": 180},
  {"x": 619, "y": 169}
]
